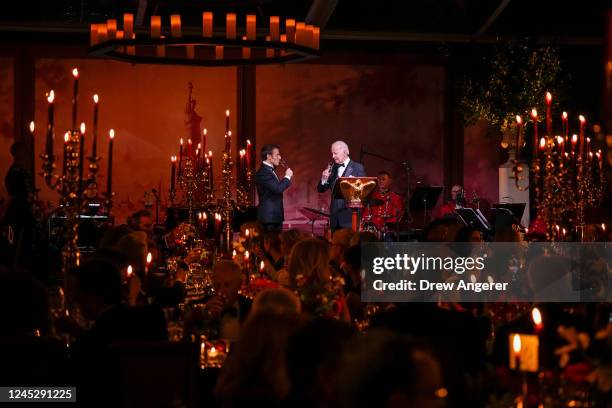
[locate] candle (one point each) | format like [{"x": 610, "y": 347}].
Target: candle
[
  {"x": 588, "y": 146},
  {"x": 233, "y": 254},
  {"x": 251, "y": 27},
  {"x": 111, "y": 27},
  {"x": 102, "y": 33},
  {"x": 227, "y": 131},
  {"x": 65, "y": 163},
  {"x": 130, "y": 271},
  {"x": 155, "y": 27},
  {"x": 548, "y": 115},
  {"x": 262, "y": 266},
  {"x": 75, "y": 93},
  {"x": 599, "y": 160},
  {"x": 516, "y": 348},
  {"x": 204, "y": 133},
  {"x": 175, "y": 25},
  {"x": 565, "y": 126},
  {"x": 210, "y": 170},
  {"x": 248, "y": 153},
  {"x": 172, "y": 172},
  {"x": 149, "y": 260},
  {"x": 574, "y": 141},
  {"x": 582, "y": 122},
  {"x": 50, "y": 125},
  {"x": 542, "y": 143},
  {"x": 290, "y": 29},
  {"x": 534, "y": 119},
  {"x": 207, "y": 24},
  {"x": 94, "y": 149},
  {"x": 32, "y": 127},
  {"x": 109, "y": 179},
  {"x": 189, "y": 150},
  {"x": 537, "y": 319},
  {"x": 128, "y": 25},
  {"x": 93, "y": 34},
  {"x": 300, "y": 33},
  {"x": 230, "y": 26},
  {"x": 274, "y": 28},
  {"x": 82, "y": 155},
  {"x": 519, "y": 123},
  {"x": 180, "y": 163}
]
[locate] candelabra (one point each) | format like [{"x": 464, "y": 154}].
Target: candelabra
[
  {"x": 189, "y": 183},
  {"x": 226, "y": 204}
]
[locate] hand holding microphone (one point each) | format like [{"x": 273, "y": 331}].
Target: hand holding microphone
[{"x": 326, "y": 173}]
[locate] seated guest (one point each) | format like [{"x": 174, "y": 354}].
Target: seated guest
[
  {"x": 277, "y": 300},
  {"x": 272, "y": 250},
  {"x": 352, "y": 288},
  {"x": 385, "y": 369},
  {"x": 255, "y": 373},
  {"x": 310, "y": 275},
  {"x": 227, "y": 307},
  {"x": 313, "y": 360}
]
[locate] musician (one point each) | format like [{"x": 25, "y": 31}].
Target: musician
[
  {"x": 270, "y": 188},
  {"x": 340, "y": 166},
  {"x": 457, "y": 201},
  {"x": 389, "y": 205}
]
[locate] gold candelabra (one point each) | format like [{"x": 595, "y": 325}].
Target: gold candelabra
[{"x": 226, "y": 204}]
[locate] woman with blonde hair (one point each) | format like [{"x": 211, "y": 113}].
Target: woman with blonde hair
[{"x": 311, "y": 277}]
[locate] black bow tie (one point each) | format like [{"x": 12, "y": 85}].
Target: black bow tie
[{"x": 341, "y": 165}]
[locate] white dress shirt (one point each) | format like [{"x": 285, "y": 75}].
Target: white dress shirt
[
  {"x": 342, "y": 169},
  {"x": 272, "y": 167}
]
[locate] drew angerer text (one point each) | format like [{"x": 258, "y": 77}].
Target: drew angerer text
[{"x": 425, "y": 285}]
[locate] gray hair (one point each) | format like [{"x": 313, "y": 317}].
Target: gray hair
[{"x": 341, "y": 144}]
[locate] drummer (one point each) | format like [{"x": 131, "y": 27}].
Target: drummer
[{"x": 386, "y": 206}]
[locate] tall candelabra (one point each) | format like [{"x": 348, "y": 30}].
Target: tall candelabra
[{"x": 226, "y": 204}]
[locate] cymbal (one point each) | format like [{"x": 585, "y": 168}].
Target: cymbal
[
  {"x": 310, "y": 212},
  {"x": 374, "y": 202}
]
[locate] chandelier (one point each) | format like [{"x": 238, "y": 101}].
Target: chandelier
[{"x": 208, "y": 46}]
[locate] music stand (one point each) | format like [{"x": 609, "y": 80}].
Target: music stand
[
  {"x": 313, "y": 215},
  {"x": 353, "y": 190},
  {"x": 517, "y": 209},
  {"x": 473, "y": 218},
  {"x": 425, "y": 199}
]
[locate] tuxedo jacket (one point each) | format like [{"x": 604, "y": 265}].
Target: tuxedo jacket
[
  {"x": 270, "y": 192},
  {"x": 339, "y": 214}
]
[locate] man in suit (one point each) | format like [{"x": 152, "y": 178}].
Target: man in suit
[
  {"x": 343, "y": 166},
  {"x": 270, "y": 189}
]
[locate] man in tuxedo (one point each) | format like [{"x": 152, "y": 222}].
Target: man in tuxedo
[
  {"x": 342, "y": 166},
  {"x": 270, "y": 189}
]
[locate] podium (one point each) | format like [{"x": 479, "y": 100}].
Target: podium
[{"x": 353, "y": 190}]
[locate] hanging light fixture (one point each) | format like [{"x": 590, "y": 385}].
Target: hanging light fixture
[{"x": 237, "y": 45}]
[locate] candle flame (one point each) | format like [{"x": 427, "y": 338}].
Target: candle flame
[
  {"x": 172, "y": 159},
  {"x": 82, "y": 128},
  {"x": 574, "y": 138},
  {"x": 536, "y": 316},
  {"x": 204, "y": 216},
  {"x": 66, "y": 137},
  {"x": 557, "y": 227},
  {"x": 581, "y": 119},
  {"x": 588, "y": 139},
  {"x": 548, "y": 97},
  {"x": 111, "y": 133},
  {"x": 534, "y": 113},
  {"x": 149, "y": 258},
  {"x": 526, "y": 230},
  {"x": 199, "y": 146},
  {"x": 246, "y": 254},
  {"x": 205, "y": 131},
  {"x": 542, "y": 143},
  {"x": 32, "y": 127},
  {"x": 234, "y": 251},
  {"x": 516, "y": 344},
  {"x": 227, "y": 112},
  {"x": 564, "y": 231},
  {"x": 591, "y": 155},
  {"x": 248, "y": 142},
  {"x": 519, "y": 120},
  {"x": 189, "y": 141},
  {"x": 603, "y": 227},
  {"x": 559, "y": 140},
  {"x": 210, "y": 153},
  {"x": 598, "y": 154},
  {"x": 75, "y": 73},
  {"x": 129, "y": 270},
  {"x": 229, "y": 133},
  {"x": 247, "y": 232},
  {"x": 96, "y": 98},
  {"x": 262, "y": 265},
  {"x": 564, "y": 115},
  {"x": 50, "y": 96}
]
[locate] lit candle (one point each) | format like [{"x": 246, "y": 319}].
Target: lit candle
[
  {"x": 210, "y": 170},
  {"x": 130, "y": 271},
  {"x": 204, "y": 133},
  {"x": 565, "y": 126},
  {"x": 175, "y": 25},
  {"x": 65, "y": 162},
  {"x": 582, "y": 122},
  {"x": 534, "y": 120},
  {"x": 248, "y": 153},
  {"x": 548, "y": 114},
  {"x": 599, "y": 160},
  {"x": 93, "y": 34},
  {"x": 300, "y": 33},
  {"x": 155, "y": 27},
  {"x": 227, "y": 131},
  {"x": 207, "y": 24},
  {"x": 82, "y": 154},
  {"x": 234, "y": 254},
  {"x": 603, "y": 229},
  {"x": 537, "y": 319},
  {"x": 128, "y": 25},
  {"x": 32, "y": 127},
  {"x": 516, "y": 348},
  {"x": 588, "y": 146},
  {"x": 542, "y": 143},
  {"x": 574, "y": 141},
  {"x": 111, "y": 27},
  {"x": 290, "y": 29},
  {"x": 274, "y": 28},
  {"x": 189, "y": 150},
  {"x": 180, "y": 164},
  {"x": 94, "y": 148},
  {"x": 519, "y": 125},
  {"x": 251, "y": 27},
  {"x": 230, "y": 26},
  {"x": 149, "y": 260},
  {"x": 109, "y": 179},
  {"x": 75, "y": 96},
  {"x": 172, "y": 172},
  {"x": 262, "y": 266},
  {"x": 50, "y": 125}
]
